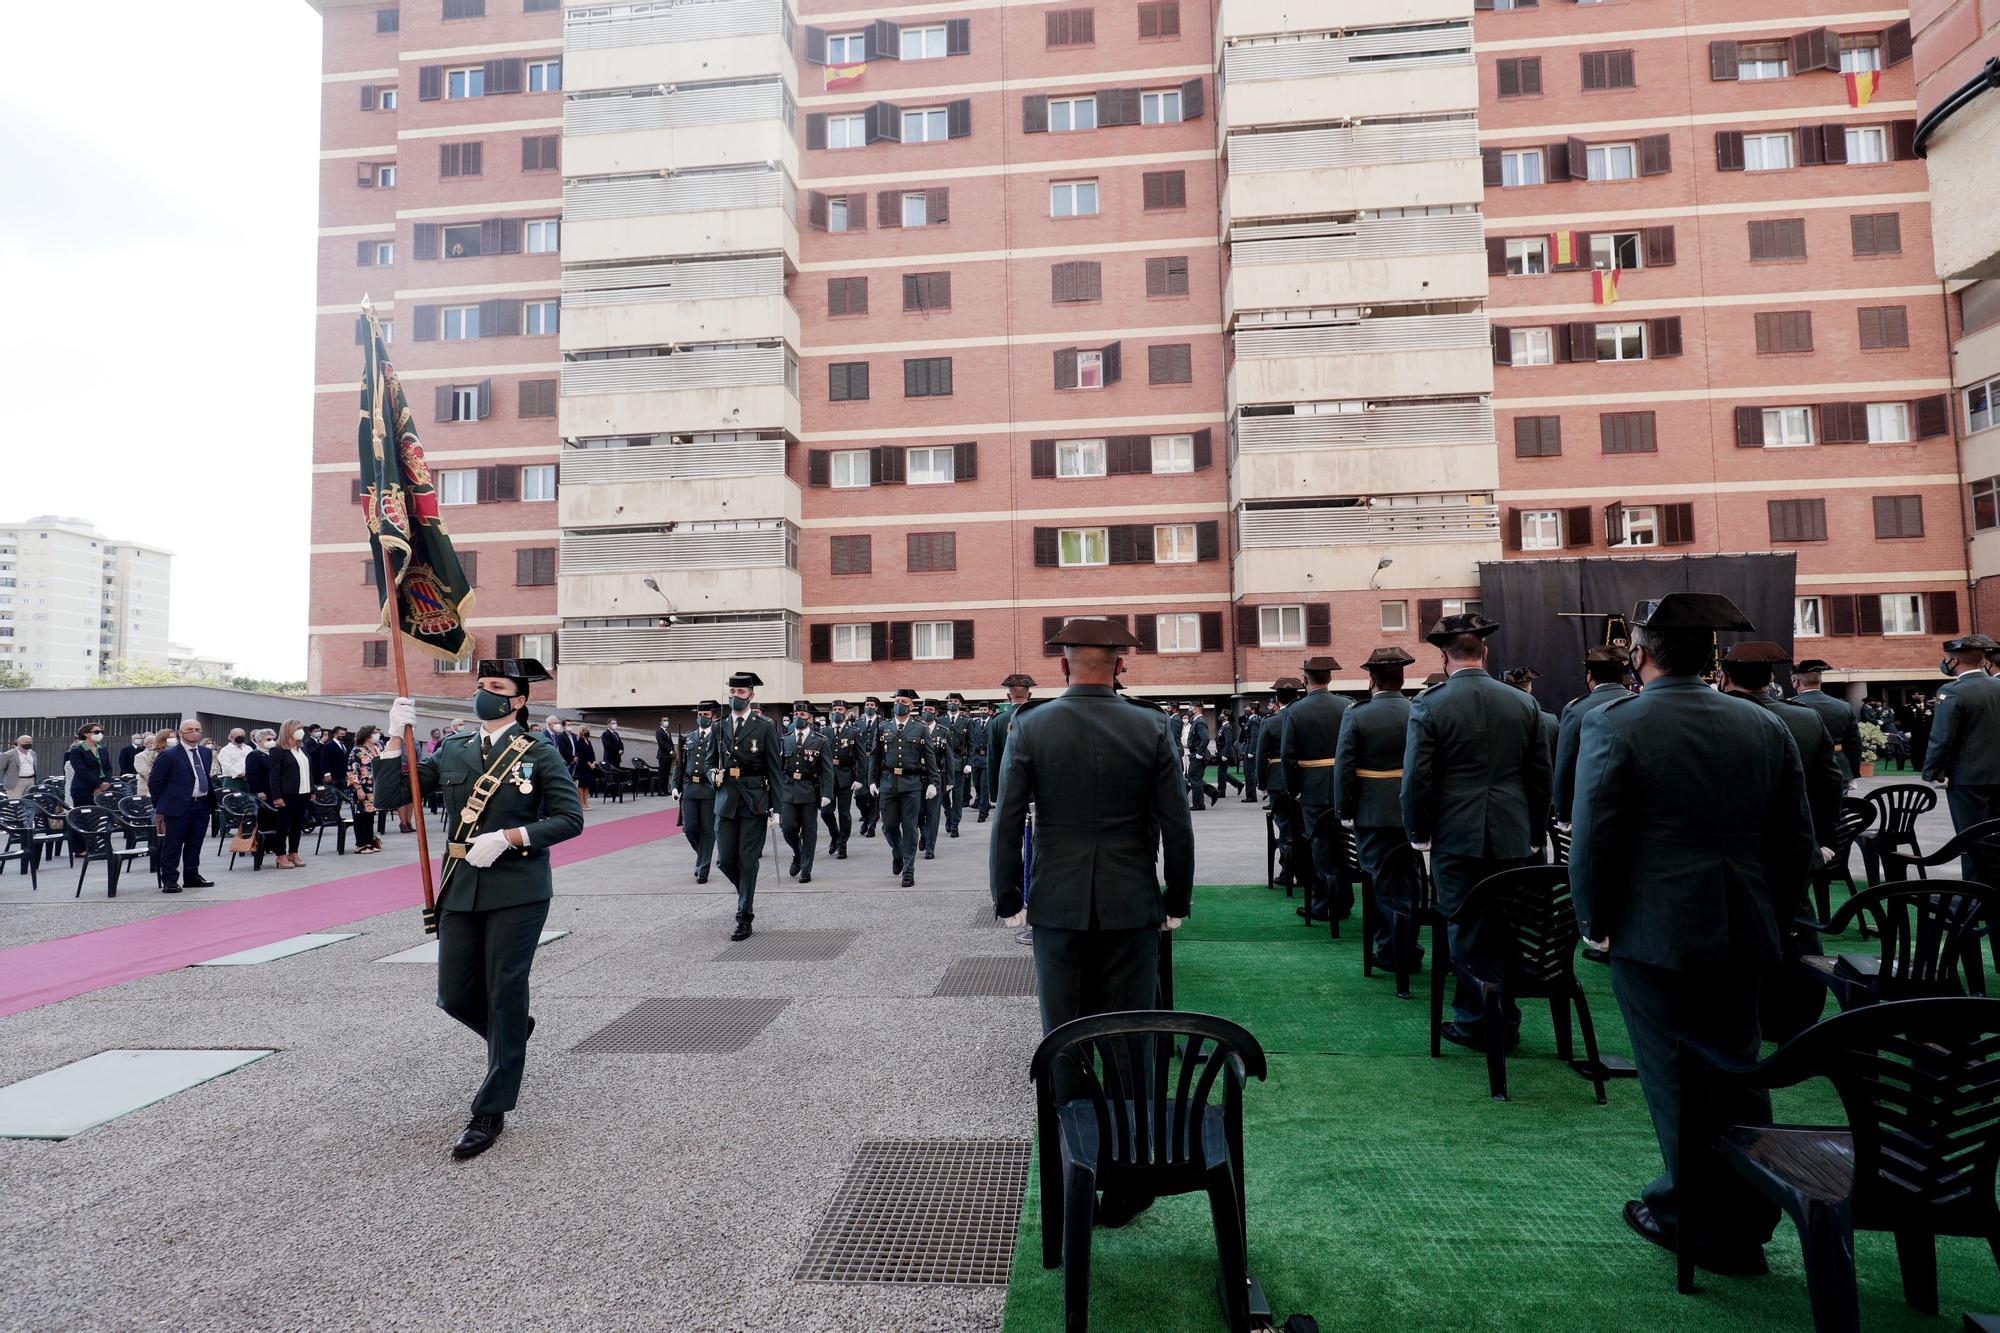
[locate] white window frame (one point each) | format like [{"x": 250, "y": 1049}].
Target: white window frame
[
  {"x": 1624, "y": 334},
  {"x": 1641, "y": 521},
  {"x": 461, "y": 666},
  {"x": 539, "y": 647},
  {"x": 1788, "y": 427},
  {"x": 1072, "y": 115},
  {"x": 916, "y": 209},
  {"x": 847, "y": 131},
  {"x": 836, "y": 214},
  {"x": 385, "y": 254},
  {"x": 1394, "y": 617},
  {"x": 1541, "y": 530},
  {"x": 925, "y": 636},
  {"x": 1281, "y": 626},
  {"x": 846, "y": 48},
  {"x": 464, "y": 80},
  {"x": 1174, "y": 544},
  {"x": 388, "y": 327},
  {"x": 452, "y": 241},
  {"x": 1756, "y": 69},
  {"x": 1160, "y": 107},
  {"x": 1079, "y": 458},
  {"x": 385, "y": 175},
  {"x": 1986, "y": 488},
  {"x": 1177, "y": 632},
  {"x": 1982, "y": 405},
  {"x": 1173, "y": 455},
  {"x": 1090, "y": 370},
  {"x": 543, "y": 76},
  {"x": 458, "y": 486},
  {"x": 386, "y": 99},
  {"x": 1531, "y": 347},
  {"x": 1889, "y": 423},
  {"x": 1860, "y": 52},
  {"x": 919, "y": 122},
  {"x": 854, "y": 643},
  {"x": 538, "y": 482},
  {"x": 1073, "y": 193},
  {"x": 1611, "y": 162},
  {"x": 930, "y": 466},
  {"x": 1907, "y": 616},
  {"x": 540, "y": 318},
  {"x": 847, "y": 470},
  {"x": 465, "y": 402},
  {"x": 1085, "y": 542},
  {"x": 1808, "y": 618},
  {"x": 466, "y": 317},
  {"x": 929, "y": 43},
  {"x": 1608, "y": 244},
  {"x": 1527, "y": 256},
  {"x": 1521, "y": 167},
  {"x": 542, "y": 236},
  {"x": 1762, "y": 152},
  {"x": 1867, "y": 145}
]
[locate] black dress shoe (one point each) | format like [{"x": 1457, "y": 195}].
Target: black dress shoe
[
  {"x": 479, "y": 1134},
  {"x": 168, "y": 886},
  {"x": 952, "y": 832},
  {"x": 909, "y": 879},
  {"x": 1591, "y": 955},
  {"x": 840, "y": 853},
  {"x": 1474, "y": 1041},
  {"x": 742, "y": 932},
  {"x": 197, "y": 882},
  {"x": 896, "y": 866},
  {"x": 806, "y": 877},
  {"x": 929, "y": 855},
  {"x": 795, "y": 867},
  {"x": 1742, "y": 1260},
  {"x": 701, "y": 879},
  {"x": 982, "y": 816}
]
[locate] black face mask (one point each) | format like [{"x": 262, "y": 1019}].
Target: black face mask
[
  {"x": 704, "y": 719},
  {"x": 739, "y": 705}
]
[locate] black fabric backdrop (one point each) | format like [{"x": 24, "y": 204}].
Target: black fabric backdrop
[{"x": 1527, "y": 597}]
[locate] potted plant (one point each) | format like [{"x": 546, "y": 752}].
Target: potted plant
[{"x": 1873, "y": 742}]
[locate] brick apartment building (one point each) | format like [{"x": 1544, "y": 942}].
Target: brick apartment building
[{"x": 888, "y": 338}]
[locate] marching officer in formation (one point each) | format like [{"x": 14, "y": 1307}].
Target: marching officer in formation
[
  {"x": 1605, "y": 668},
  {"x": 865, "y": 801},
  {"x": 982, "y": 790},
  {"x": 957, "y": 724},
  {"x": 1368, "y": 783},
  {"x": 848, "y": 750},
  {"x": 512, "y": 798},
  {"x": 903, "y": 774},
  {"x": 1271, "y": 773},
  {"x": 739, "y": 759},
  {"x": 805, "y": 787},
  {"x": 1306, "y": 755},
  {"x": 1842, "y": 722},
  {"x": 691, "y": 785},
  {"x": 1246, "y": 751}
]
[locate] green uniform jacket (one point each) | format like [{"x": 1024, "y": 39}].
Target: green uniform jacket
[
  {"x": 811, "y": 759},
  {"x": 548, "y": 810},
  {"x": 996, "y": 747},
  {"x": 1371, "y": 737},
  {"x": 1965, "y": 733},
  {"x": 1842, "y": 723},
  {"x": 907, "y": 748},
  {"x": 1270, "y": 773},
  {"x": 1475, "y": 768},
  {"x": 1569, "y": 736},
  {"x": 1312, "y": 731},
  {"x": 1692, "y": 834},
  {"x": 1824, "y": 779},
  {"x": 746, "y": 744}
]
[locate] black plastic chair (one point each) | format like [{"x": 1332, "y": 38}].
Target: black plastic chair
[
  {"x": 327, "y": 811},
  {"x": 1896, "y": 809},
  {"x": 1271, "y": 854},
  {"x": 1929, "y": 937},
  {"x": 91, "y": 828},
  {"x": 1558, "y": 844},
  {"x": 20, "y": 822},
  {"x": 1979, "y": 844},
  {"x": 241, "y": 815},
  {"x": 50, "y": 831},
  {"x": 1407, "y": 919},
  {"x": 134, "y": 817},
  {"x": 1856, "y": 817},
  {"x": 1404, "y": 866},
  {"x": 1920, "y": 1082},
  {"x": 1532, "y": 905},
  {"x": 1133, "y": 1116},
  {"x": 645, "y": 779}
]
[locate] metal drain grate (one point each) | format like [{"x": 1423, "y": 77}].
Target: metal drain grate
[
  {"x": 685, "y": 1025},
  {"x": 790, "y": 946},
  {"x": 1010, "y": 974},
  {"x": 916, "y": 1211},
  {"x": 982, "y": 915}
]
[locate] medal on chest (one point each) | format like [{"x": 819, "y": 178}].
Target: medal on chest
[{"x": 524, "y": 778}]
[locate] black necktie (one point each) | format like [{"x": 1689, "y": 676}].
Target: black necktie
[{"x": 485, "y": 749}]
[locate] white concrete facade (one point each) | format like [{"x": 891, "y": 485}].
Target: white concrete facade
[{"x": 72, "y": 601}]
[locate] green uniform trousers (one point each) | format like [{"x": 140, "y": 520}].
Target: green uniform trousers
[
  {"x": 739, "y": 851},
  {"x": 483, "y": 962}
]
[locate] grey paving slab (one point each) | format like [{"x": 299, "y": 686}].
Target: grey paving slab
[
  {"x": 427, "y": 952},
  {"x": 270, "y": 953},
  {"x": 86, "y": 1093}
]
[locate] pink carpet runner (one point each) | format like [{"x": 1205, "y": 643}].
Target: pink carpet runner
[{"x": 38, "y": 974}]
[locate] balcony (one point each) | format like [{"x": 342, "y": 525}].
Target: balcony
[
  {"x": 720, "y": 39},
  {"x": 642, "y": 129},
  {"x": 656, "y": 478},
  {"x": 1407, "y": 71},
  {"x": 704, "y": 568},
  {"x": 1335, "y": 543},
  {"x": 666, "y": 214},
  {"x": 721, "y": 300},
  {"x": 1370, "y": 449},
  {"x": 637, "y": 662},
  {"x": 1306, "y": 264},
  {"x": 1350, "y": 168},
  {"x": 1264, "y": 18},
  {"x": 1430, "y": 355},
  {"x": 709, "y": 388}
]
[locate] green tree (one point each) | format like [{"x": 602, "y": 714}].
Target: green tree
[
  {"x": 14, "y": 678},
  {"x": 267, "y": 686},
  {"x": 122, "y": 671}
]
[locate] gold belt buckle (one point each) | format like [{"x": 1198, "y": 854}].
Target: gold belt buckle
[
  {"x": 456, "y": 851},
  {"x": 735, "y": 772},
  {"x": 899, "y": 772}
]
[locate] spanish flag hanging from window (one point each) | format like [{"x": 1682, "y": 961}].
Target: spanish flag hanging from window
[
  {"x": 844, "y": 76},
  {"x": 1861, "y": 86},
  {"x": 1604, "y": 286},
  {"x": 1562, "y": 249}
]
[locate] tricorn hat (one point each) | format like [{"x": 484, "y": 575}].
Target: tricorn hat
[
  {"x": 1966, "y": 643},
  {"x": 802, "y": 706},
  {"x": 710, "y": 704},
  {"x": 1756, "y": 652},
  {"x": 1323, "y": 662},
  {"x": 1093, "y": 632},
  {"x": 1021, "y": 679},
  {"x": 1692, "y": 610},
  {"x": 905, "y": 693},
  {"x": 1436, "y": 678},
  {"x": 1387, "y": 657},
  {"x": 1812, "y": 666},
  {"x": 1467, "y": 622},
  {"x": 745, "y": 680},
  {"x": 1608, "y": 652},
  {"x": 1288, "y": 685},
  {"x": 523, "y": 671},
  {"x": 1521, "y": 675}
]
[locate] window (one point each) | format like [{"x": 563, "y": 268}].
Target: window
[
  {"x": 927, "y": 377},
  {"x": 1079, "y": 458},
  {"x": 1527, "y": 256},
  {"x": 1986, "y": 504},
  {"x": 388, "y": 20},
  {"x": 1629, "y": 432},
  {"x": 1899, "y": 516},
  {"x": 1395, "y": 617},
  {"x": 1902, "y": 613},
  {"x": 1763, "y": 60},
  {"x": 1642, "y": 527},
  {"x": 1083, "y": 546},
  {"x": 1621, "y": 342},
  {"x": 852, "y": 643},
  {"x": 1173, "y": 453},
  {"x": 461, "y": 83},
  {"x": 1616, "y": 249},
  {"x": 385, "y": 175},
  {"x": 1071, "y": 27},
  {"x": 1160, "y": 108},
  {"x": 1541, "y": 530},
  {"x": 1538, "y": 437},
  {"x": 930, "y": 640},
  {"x": 1884, "y": 326},
  {"x": 538, "y": 398},
  {"x": 847, "y": 381},
  {"x": 1072, "y": 199},
  {"x": 846, "y": 48},
  {"x": 846, "y": 296},
  {"x": 538, "y": 482},
  {"x": 542, "y": 236},
  {"x": 846, "y": 132},
  {"x": 1281, "y": 626},
  {"x": 1780, "y": 238},
  {"x": 544, "y": 76},
  {"x": 1164, "y": 189},
  {"x": 849, "y": 469},
  {"x": 385, "y": 99},
  {"x": 925, "y": 291},
  {"x": 458, "y": 486},
  {"x": 932, "y": 552},
  {"x": 927, "y": 125},
  {"x": 1160, "y": 18},
  {"x": 1612, "y": 161},
  {"x": 534, "y": 566},
  {"x": 1806, "y": 622},
  {"x": 541, "y": 152},
  {"x": 539, "y": 647},
  {"x": 1877, "y": 233},
  {"x": 1797, "y": 520},
  {"x": 1608, "y": 69},
  {"x": 916, "y": 208},
  {"x": 930, "y": 467},
  {"x": 1521, "y": 166},
  {"x": 1072, "y": 113},
  {"x": 1767, "y": 152},
  {"x": 1531, "y": 347},
  {"x": 464, "y": 9},
  {"x": 459, "y": 242},
  {"x": 1170, "y": 363},
  {"x": 540, "y": 316},
  {"x": 375, "y": 652},
  {"x": 1090, "y": 370},
  {"x": 1867, "y": 143},
  {"x": 457, "y": 667},
  {"x": 464, "y": 402},
  {"x": 922, "y": 43},
  {"x": 459, "y": 323},
  {"x": 1179, "y": 632},
  {"x": 1784, "y": 331},
  {"x": 1521, "y": 77},
  {"x": 1787, "y": 427},
  {"x": 1167, "y": 276},
  {"x": 1982, "y": 405},
  {"x": 1173, "y": 544},
  {"x": 1888, "y": 423},
  {"x": 383, "y": 254},
  {"x": 836, "y": 213},
  {"x": 1860, "y": 52}
]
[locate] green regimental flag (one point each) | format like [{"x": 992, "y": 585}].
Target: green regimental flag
[{"x": 400, "y": 502}]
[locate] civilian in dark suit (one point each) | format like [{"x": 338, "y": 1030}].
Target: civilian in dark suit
[
  {"x": 613, "y": 745},
  {"x": 183, "y": 798},
  {"x": 128, "y": 757}
]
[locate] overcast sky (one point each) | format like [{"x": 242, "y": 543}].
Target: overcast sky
[{"x": 156, "y": 245}]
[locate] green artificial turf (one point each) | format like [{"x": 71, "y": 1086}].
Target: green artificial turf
[{"x": 1387, "y": 1191}]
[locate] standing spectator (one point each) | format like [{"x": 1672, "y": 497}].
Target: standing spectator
[
  {"x": 614, "y": 746},
  {"x": 84, "y": 766},
  {"x": 437, "y": 739},
  {"x": 182, "y": 793},
  {"x": 257, "y": 781},
  {"x": 557, "y": 734},
  {"x": 334, "y": 751},
  {"x": 291, "y": 791},
  {"x": 586, "y": 766},
  {"x": 663, "y": 740},
  {"x": 230, "y": 761},
  {"x": 17, "y": 767},
  {"x": 361, "y": 781},
  {"x": 142, "y": 763},
  {"x": 128, "y": 753}
]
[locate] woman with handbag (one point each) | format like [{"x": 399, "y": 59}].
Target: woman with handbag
[
  {"x": 361, "y": 782},
  {"x": 291, "y": 792}
]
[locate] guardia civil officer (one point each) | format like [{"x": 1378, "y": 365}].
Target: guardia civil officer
[
  {"x": 865, "y": 800},
  {"x": 1842, "y": 723},
  {"x": 1306, "y": 751},
  {"x": 805, "y": 787},
  {"x": 1475, "y": 795},
  {"x": 1246, "y": 743},
  {"x": 696, "y": 792},
  {"x": 512, "y": 798},
  {"x": 1964, "y": 748},
  {"x": 1020, "y": 688},
  {"x": 1605, "y": 666},
  {"x": 957, "y": 724},
  {"x": 1368, "y": 784},
  {"x": 1523, "y": 678},
  {"x": 740, "y": 750},
  {"x": 942, "y": 767},
  {"x": 1271, "y": 773},
  {"x": 1691, "y": 839},
  {"x": 903, "y": 775},
  {"x": 844, "y": 749},
  {"x": 982, "y": 727}
]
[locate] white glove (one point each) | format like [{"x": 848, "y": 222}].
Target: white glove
[
  {"x": 1563, "y": 824},
  {"x": 873, "y": 789},
  {"x": 1019, "y": 918},
  {"x": 1421, "y": 846},
  {"x": 825, "y": 801},
  {"x": 402, "y": 713},
  {"x": 968, "y": 768},
  {"x": 930, "y": 792},
  {"x": 1826, "y": 856},
  {"x": 674, "y": 795},
  {"x": 854, "y": 786},
  {"x": 1347, "y": 823},
  {"x": 486, "y": 848}
]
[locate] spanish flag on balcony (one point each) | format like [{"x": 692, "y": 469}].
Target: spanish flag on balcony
[
  {"x": 1604, "y": 286},
  {"x": 844, "y": 76},
  {"x": 1562, "y": 249},
  {"x": 1861, "y": 86}
]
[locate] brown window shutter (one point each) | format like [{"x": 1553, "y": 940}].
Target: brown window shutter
[
  {"x": 1749, "y": 428},
  {"x": 816, "y": 129},
  {"x": 1051, "y": 626},
  {"x": 486, "y": 486},
  {"x": 1676, "y": 524},
  {"x": 961, "y": 638},
  {"x": 1841, "y": 618},
  {"x": 1503, "y": 345},
  {"x": 1430, "y": 610},
  {"x": 1496, "y": 256},
  {"x": 1084, "y": 23},
  {"x": 1594, "y": 72},
  {"x": 430, "y": 83},
  {"x": 1208, "y": 540},
  {"x": 958, "y": 37},
  {"x": 1729, "y": 150},
  {"x": 1867, "y": 613},
  {"x": 1512, "y": 529},
  {"x": 1933, "y": 416},
  {"x": 1211, "y": 631},
  {"x": 1204, "y": 450},
  {"x": 1576, "y": 526},
  {"x": 1833, "y": 143},
  {"x": 1943, "y": 612},
  {"x": 1035, "y": 112},
  {"x": 1903, "y": 140},
  {"x": 899, "y": 640},
  {"x": 1664, "y": 337},
  {"x": 1834, "y": 425},
  {"x": 1119, "y": 545},
  {"x": 1659, "y": 244},
  {"x": 425, "y": 321},
  {"x": 1041, "y": 458},
  {"x": 1065, "y": 363},
  {"x": 836, "y": 296},
  {"x": 1319, "y": 625},
  {"x": 891, "y": 465},
  {"x": 1046, "y": 554},
  {"x": 1508, "y": 75},
  {"x": 1624, "y": 70},
  {"x": 1119, "y": 456},
  {"x": 878, "y": 640},
  {"x": 958, "y": 118},
  {"x": 1113, "y": 360},
  {"x": 1062, "y": 282},
  {"x": 965, "y": 461},
  {"x": 1194, "y": 95},
  {"x": 1581, "y": 338},
  {"x": 819, "y": 468},
  {"x": 816, "y": 210},
  {"x": 822, "y": 643},
  {"x": 1896, "y": 44},
  {"x": 1152, "y": 190},
  {"x": 1247, "y": 632},
  {"x": 937, "y": 204},
  {"x": 1723, "y": 60},
  {"x": 888, "y": 208},
  {"x": 1656, "y": 152},
  {"x": 1147, "y": 631},
  {"x": 1489, "y": 166}
]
